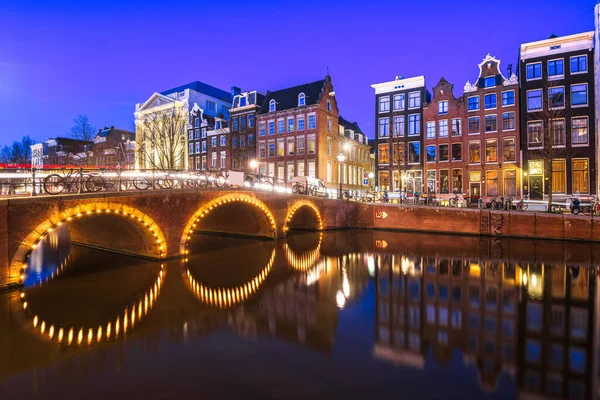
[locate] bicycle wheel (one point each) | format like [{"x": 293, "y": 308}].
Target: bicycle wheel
[
  {"x": 296, "y": 189},
  {"x": 220, "y": 181},
  {"x": 202, "y": 181},
  {"x": 165, "y": 183},
  {"x": 453, "y": 203},
  {"x": 54, "y": 184},
  {"x": 94, "y": 183},
  {"x": 142, "y": 183},
  {"x": 522, "y": 206}
]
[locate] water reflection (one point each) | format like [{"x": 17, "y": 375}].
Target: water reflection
[
  {"x": 505, "y": 318},
  {"x": 49, "y": 258}
]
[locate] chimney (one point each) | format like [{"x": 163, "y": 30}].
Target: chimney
[{"x": 235, "y": 91}]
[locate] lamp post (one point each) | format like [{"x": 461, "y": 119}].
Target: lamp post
[
  {"x": 371, "y": 176},
  {"x": 341, "y": 157}
]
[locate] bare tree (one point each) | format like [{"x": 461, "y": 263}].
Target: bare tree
[
  {"x": 18, "y": 152},
  {"x": 162, "y": 143},
  {"x": 239, "y": 158},
  {"x": 83, "y": 130},
  {"x": 546, "y": 133}
]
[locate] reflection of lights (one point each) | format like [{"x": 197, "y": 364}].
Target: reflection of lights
[
  {"x": 534, "y": 280},
  {"x": 524, "y": 279},
  {"x": 303, "y": 261},
  {"x": 345, "y": 283},
  {"x": 151, "y": 295},
  {"x": 340, "y": 300},
  {"x": 227, "y": 297},
  {"x": 371, "y": 266}
]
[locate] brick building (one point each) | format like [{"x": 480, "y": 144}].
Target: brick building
[
  {"x": 243, "y": 128},
  {"x": 399, "y": 136},
  {"x": 444, "y": 117},
  {"x": 354, "y": 145},
  {"x": 208, "y": 141},
  {"x": 114, "y": 148},
  {"x": 491, "y": 145},
  {"x": 60, "y": 151}
]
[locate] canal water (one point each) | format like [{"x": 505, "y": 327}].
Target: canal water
[{"x": 351, "y": 314}]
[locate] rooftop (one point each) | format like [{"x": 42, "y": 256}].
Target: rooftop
[
  {"x": 201, "y": 87},
  {"x": 288, "y": 98}
]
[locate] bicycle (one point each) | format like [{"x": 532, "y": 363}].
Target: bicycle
[
  {"x": 221, "y": 179},
  {"x": 497, "y": 204},
  {"x": 55, "y": 184},
  {"x": 522, "y": 205},
  {"x": 595, "y": 206},
  {"x": 453, "y": 202}
]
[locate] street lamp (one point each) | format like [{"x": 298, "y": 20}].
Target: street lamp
[
  {"x": 341, "y": 158},
  {"x": 253, "y": 164}
]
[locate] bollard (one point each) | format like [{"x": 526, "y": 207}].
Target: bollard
[{"x": 33, "y": 190}]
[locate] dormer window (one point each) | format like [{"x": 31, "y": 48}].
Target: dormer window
[
  {"x": 197, "y": 122},
  {"x": 242, "y": 101},
  {"x": 218, "y": 125},
  {"x": 272, "y": 106},
  {"x": 301, "y": 100},
  {"x": 181, "y": 94},
  {"x": 329, "y": 105},
  {"x": 489, "y": 81}
]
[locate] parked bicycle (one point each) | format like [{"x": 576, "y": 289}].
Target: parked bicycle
[
  {"x": 522, "y": 205},
  {"x": 497, "y": 203},
  {"x": 71, "y": 182},
  {"x": 453, "y": 201}
]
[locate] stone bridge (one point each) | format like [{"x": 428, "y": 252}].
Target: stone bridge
[{"x": 158, "y": 224}]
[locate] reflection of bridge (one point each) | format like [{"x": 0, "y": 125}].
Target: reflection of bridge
[{"x": 158, "y": 225}]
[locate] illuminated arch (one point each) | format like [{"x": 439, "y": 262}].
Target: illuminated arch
[
  {"x": 297, "y": 206},
  {"x": 228, "y": 297},
  {"x": 110, "y": 330},
  {"x": 303, "y": 261},
  {"x": 19, "y": 261},
  {"x": 215, "y": 203}
]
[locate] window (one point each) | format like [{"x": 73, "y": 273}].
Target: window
[
  {"x": 311, "y": 144},
  {"x": 235, "y": 124},
  {"x": 430, "y": 150},
  {"x": 431, "y": 181},
  {"x": 223, "y": 140},
  {"x": 556, "y": 97},
  {"x": 474, "y": 152},
  {"x": 414, "y": 124},
  {"x": 414, "y": 152},
  {"x": 262, "y": 149},
  {"x": 271, "y": 127},
  {"x": 558, "y": 133},
  {"x": 243, "y": 123},
  {"x": 329, "y": 105},
  {"x": 272, "y": 106},
  {"x": 301, "y": 122},
  {"x": 508, "y": 121},
  {"x": 204, "y": 146},
  {"x": 301, "y": 100},
  {"x": 399, "y": 153},
  {"x": 534, "y": 135},
  {"x": 489, "y": 81},
  {"x": 559, "y": 176},
  {"x": 280, "y": 148},
  {"x": 444, "y": 181},
  {"x": 510, "y": 184},
  {"x": 243, "y": 101},
  {"x": 509, "y": 148},
  {"x": 203, "y": 162},
  {"x": 581, "y": 182},
  {"x": 579, "y": 323},
  {"x": 384, "y": 153},
  {"x": 211, "y": 106},
  {"x": 533, "y": 351},
  {"x": 443, "y": 128},
  {"x": 290, "y": 170},
  {"x": 384, "y": 104},
  {"x": 271, "y": 148},
  {"x": 556, "y": 69},
  {"x": 213, "y": 160},
  {"x": 197, "y": 122},
  {"x": 579, "y": 95},
  {"x": 399, "y": 126},
  {"x": 262, "y": 129},
  {"x": 290, "y": 124},
  {"x": 443, "y": 152},
  {"x": 312, "y": 121},
  {"x": 456, "y": 127},
  {"x": 280, "y": 126},
  {"x": 213, "y": 141},
  {"x": 399, "y": 101},
  {"x": 311, "y": 168},
  {"x": 414, "y": 99},
  {"x": 490, "y": 101},
  {"x": 473, "y": 125},
  {"x": 300, "y": 144},
  {"x": 329, "y": 124},
  {"x": 534, "y": 71},
  {"x": 457, "y": 181},
  {"x": 578, "y": 64},
  {"x": 473, "y": 103},
  {"x": 203, "y": 133},
  {"x": 223, "y": 159},
  {"x": 291, "y": 146},
  {"x": 579, "y": 130},
  {"x": 534, "y": 100},
  {"x": 430, "y": 130},
  {"x": 384, "y": 127},
  {"x": 508, "y": 98},
  {"x": 300, "y": 168},
  {"x": 191, "y": 148},
  {"x": 442, "y": 107},
  {"x": 577, "y": 359},
  {"x": 491, "y": 123},
  {"x": 491, "y": 151},
  {"x": 250, "y": 121},
  {"x": 217, "y": 124},
  {"x": 456, "y": 151},
  {"x": 329, "y": 145}
]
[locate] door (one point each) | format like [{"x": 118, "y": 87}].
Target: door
[
  {"x": 536, "y": 188},
  {"x": 475, "y": 190}
]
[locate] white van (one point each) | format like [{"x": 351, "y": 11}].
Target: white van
[{"x": 309, "y": 186}]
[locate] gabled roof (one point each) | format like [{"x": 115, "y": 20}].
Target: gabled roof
[
  {"x": 201, "y": 88},
  {"x": 107, "y": 131},
  {"x": 288, "y": 98},
  {"x": 349, "y": 125}
]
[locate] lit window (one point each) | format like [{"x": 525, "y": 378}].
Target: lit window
[
  {"x": 534, "y": 135},
  {"x": 491, "y": 123},
  {"x": 579, "y": 129},
  {"x": 473, "y": 125},
  {"x": 508, "y": 121}
]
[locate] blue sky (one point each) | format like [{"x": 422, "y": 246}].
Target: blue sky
[{"x": 59, "y": 59}]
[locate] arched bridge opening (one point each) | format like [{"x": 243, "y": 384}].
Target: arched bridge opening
[
  {"x": 106, "y": 226},
  {"x": 303, "y": 216}
]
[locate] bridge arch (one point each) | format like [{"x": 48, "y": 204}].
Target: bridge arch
[
  {"x": 303, "y": 260},
  {"x": 213, "y": 204},
  {"x": 154, "y": 239},
  {"x": 296, "y": 210}
]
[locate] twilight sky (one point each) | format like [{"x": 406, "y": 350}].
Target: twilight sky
[{"x": 62, "y": 58}]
